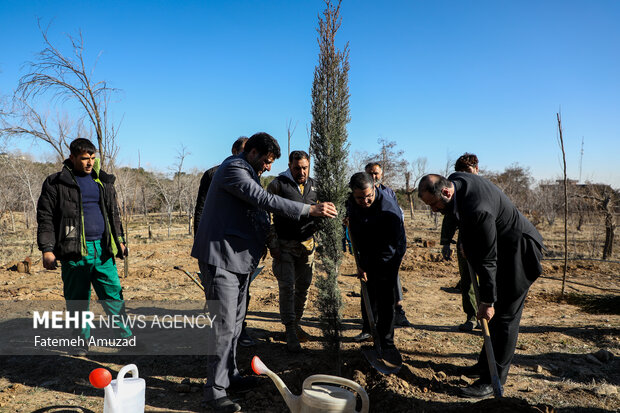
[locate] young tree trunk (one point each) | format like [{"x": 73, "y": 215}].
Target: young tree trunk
[
  {"x": 561, "y": 141},
  {"x": 409, "y": 192},
  {"x": 610, "y": 226}
]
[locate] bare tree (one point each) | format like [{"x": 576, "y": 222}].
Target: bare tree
[
  {"x": 187, "y": 200},
  {"x": 417, "y": 171},
  {"x": 25, "y": 121},
  {"x": 68, "y": 78},
  {"x": 515, "y": 182},
  {"x": 449, "y": 166},
  {"x": 166, "y": 192},
  {"x": 604, "y": 197},
  {"x": 392, "y": 162},
  {"x": 182, "y": 153},
  {"x": 290, "y": 130}
]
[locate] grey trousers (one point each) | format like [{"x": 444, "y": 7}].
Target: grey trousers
[
  {"x": 294, "y": 275},
  {"x": 227, "y": 294}
]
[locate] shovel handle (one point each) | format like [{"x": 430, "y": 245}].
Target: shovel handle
[
  {"x": 176, "y": 267},
  {"x": 488, "y": 345},
  {"x": 367, "y": 306}
]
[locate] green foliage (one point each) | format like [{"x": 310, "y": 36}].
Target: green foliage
[
  {"x": 265, "y": 180},
  {"x": 329, "y": 149}
]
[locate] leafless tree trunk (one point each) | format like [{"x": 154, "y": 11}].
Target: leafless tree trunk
[
  {"x": 561, "y": 142},
  {"x": 418, "y": 167},
  {"x": 182, "y": 153},
  {"x": 409, "y": 191},
  {"x": 289, "y": 133}
]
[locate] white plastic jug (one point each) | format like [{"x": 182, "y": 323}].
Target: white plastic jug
[
  {"x": 125, "y": 395},
  {"x": 318, "y": 398}
]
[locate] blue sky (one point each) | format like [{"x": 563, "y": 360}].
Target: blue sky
[{"x": 438, "y": 77}]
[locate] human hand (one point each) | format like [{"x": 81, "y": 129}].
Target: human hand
[
  {"x": 49, "y": 261},
  {"x": 124, "y": 249},
  {"x": 485, "y": 311},
  {"x": 361, "y": 274},
  {"x": 446, "y": 252},
  {"x": 324, "y": 209}
]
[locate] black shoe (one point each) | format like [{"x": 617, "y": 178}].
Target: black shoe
[
  {"x": 362, "y": 337},
  {"x": 400, "y": 319},
  {"x": 467, "y": 326},
  {"x": 243, "y": 383},
  {"x": 473, "y": 372},
  {"x": 223, "y": 405},
  {"x": 245, "y": 340},
  {"x": 477, "y": 390}
]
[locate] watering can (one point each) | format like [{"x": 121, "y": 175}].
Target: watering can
[
  {"x": 123, "y": 395},
  {"x": 327, "y": 397}
]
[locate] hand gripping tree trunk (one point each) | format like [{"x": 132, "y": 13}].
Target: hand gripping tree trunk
[{"x": 329, "y": 149}]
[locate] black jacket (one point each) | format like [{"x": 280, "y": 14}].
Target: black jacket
[
  {"x": 290, "y": 229},
  {"x": 60, "y": 215},
  {"x": 501, "y": 244},
  {"x": 377, "y": 232},
  {"x": 205, "y": 183}
]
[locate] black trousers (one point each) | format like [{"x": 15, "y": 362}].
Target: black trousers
[
  {"x": 504, "y": 330},
  {"x": 381, "y": 283}
]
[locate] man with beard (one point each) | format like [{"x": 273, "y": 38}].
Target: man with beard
[
  {"x": 292, "y": 245},
  {"x": 228, "y": 245}
]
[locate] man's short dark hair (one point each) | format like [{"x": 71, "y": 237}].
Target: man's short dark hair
[
  {"x": 371, "y": 165},
  {"x": 433, "y": 184},
  {"x": 465, "y": 162},
  {"x": 361, "y": 180},
  {"x": 81, "y": 145},
  {"x": 264, "y": 143},
  {"x": 297, "y": 156},
  {"x": 239, "y": 143}
]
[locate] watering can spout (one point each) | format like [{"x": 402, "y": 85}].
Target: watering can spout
[
  {"x": 111, "y": 396},
  {"x": 292, "y": 401}
]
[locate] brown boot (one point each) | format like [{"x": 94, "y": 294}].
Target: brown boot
[{"x": 292, "y": 342}]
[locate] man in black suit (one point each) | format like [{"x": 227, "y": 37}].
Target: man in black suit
[{"x": 504, "y": 249}]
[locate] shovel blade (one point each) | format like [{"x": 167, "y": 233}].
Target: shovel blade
[{"x": 389, "y": 363}]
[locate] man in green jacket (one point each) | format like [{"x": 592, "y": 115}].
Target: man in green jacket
[{"x": 79, "y": 224}]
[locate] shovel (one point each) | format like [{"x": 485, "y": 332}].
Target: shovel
[
  {"x": 488, "y": 346},
  {"x": 176, "y": 267}
]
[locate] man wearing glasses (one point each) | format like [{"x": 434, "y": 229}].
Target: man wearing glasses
[{"x": 378, "y": 234}]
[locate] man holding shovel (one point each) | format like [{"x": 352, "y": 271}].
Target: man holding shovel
[
  {"x": 378, "y": 236},
  {"x": 503, "y": 248}
]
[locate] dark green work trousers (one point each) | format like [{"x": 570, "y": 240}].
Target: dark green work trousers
[{"x": 100, "y": 271}]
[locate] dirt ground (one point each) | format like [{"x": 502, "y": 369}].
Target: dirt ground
[{"x": 558, "y": 366}]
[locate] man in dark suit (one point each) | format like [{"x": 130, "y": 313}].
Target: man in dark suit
[
  {"x": 504, "y": 249},
  {"x": 228, "y": 245}
]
